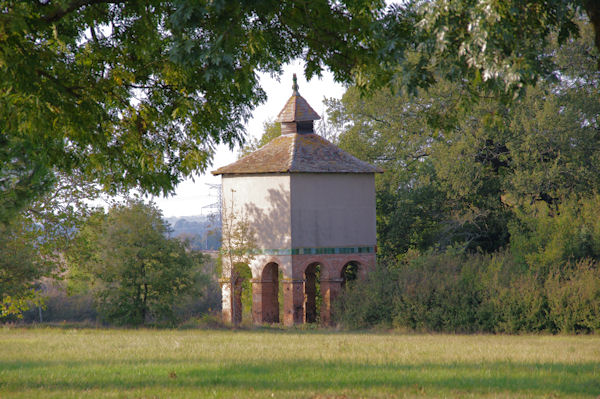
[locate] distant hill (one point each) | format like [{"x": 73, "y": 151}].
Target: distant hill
[{"x": 203, "y": 232}]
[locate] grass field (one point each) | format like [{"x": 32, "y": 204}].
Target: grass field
[{"x": 64, "y": 363}]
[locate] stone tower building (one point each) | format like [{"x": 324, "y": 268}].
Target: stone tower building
[{"x": 312, "y": 209}]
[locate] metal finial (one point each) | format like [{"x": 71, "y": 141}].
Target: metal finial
[{"x": 295, "y": 85}]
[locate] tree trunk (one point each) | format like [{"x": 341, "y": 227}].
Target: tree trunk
[{"x": 592, "y": 8}]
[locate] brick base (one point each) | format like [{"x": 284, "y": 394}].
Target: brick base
[{"x": 299, "y": 292}]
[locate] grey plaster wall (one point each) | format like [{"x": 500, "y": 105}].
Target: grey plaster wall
[{"x": 332, "y": 210}]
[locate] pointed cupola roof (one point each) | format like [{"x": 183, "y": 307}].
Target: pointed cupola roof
[
  {"x": 298, "y": 149},
  {"x": 297, "y": 109}
]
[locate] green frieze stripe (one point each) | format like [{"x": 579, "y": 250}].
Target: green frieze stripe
[{"x": 315, "y": 251}]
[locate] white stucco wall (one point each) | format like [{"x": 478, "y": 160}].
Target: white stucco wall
[
  {"x": 265, "y": 201},
  {"x": 332, "y": 210},
  {"x": 305, "y": 210}
]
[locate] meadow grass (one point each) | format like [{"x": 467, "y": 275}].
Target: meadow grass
[{"x": 62, "y": 363}]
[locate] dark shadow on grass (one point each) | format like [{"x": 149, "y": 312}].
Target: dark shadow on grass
[{"x": 298, "y": 375}]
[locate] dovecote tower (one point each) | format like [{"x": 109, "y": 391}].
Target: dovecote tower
[{"x": 311, "y": 206}]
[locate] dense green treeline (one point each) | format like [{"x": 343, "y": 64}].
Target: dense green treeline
[
  {"x": 487, "y": 211},
  {"x": 464, "y": 173}
]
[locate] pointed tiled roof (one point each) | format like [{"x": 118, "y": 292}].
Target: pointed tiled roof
[
  {"x": 297, "y": 109},
  {"x": 298, "y": 153}
]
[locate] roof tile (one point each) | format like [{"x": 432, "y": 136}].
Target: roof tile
[
  {"x": 298, "y": 153},
  {"x": 297, "y": 109}
]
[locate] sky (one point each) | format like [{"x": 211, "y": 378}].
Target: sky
[{"x": 194, "y": 194}]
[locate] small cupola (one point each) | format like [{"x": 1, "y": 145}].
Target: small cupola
[{"x": 297, "y": 116}]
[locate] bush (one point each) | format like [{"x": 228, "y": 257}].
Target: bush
[
  {"x": 574, "y": 297},
  {"x": 452, "y": 292},
  {"x": 436, "y": 294},
  {"x": 520, "y": 306},
  {"x": 369, "y": 302},
  {"x": 430, "y": 292},
  {"x": 206, "y": 299},
  {"x": 60, "y": 307}
]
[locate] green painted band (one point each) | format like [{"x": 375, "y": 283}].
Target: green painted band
[{"x": 315, "y": 251}]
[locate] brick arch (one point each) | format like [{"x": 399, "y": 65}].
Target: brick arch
[
  {"x": 366, "y": 264},
  {"x": 267, "y": 299},
  {"x": 242, "y": 273},
  {"x": 326, "y": 266},
  {"x": 294, "y": 306},
  {"x": 259, "y": 266},
  {"x": 336, "y": 270},
  {"x": 351, "y": 270},
  {"x": 312, "y": 273}
]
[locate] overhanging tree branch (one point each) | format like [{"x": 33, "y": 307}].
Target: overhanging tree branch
[{"x": 60, "y": 12}]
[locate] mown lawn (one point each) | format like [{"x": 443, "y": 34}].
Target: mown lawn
[{"x": 63, "y": 363}]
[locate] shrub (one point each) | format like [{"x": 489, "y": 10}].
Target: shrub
[
  {"x": 520, "y": 306},
  {"x": 452, "y": 292},
  {"x": 436, "y": 294},
  {"x": 429, "y": 292},
  {"x": 60, "y": 307},
  {"x": 545, "y": 239},
  {"x": 370, "y": 302},
  {"x": 574, "y": 297}
]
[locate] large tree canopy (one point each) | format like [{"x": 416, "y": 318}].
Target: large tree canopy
[
  {"x": 133, "y": 93},
  {"x": 498, "y": 46},
  {"x": 458, "y": 174},
  {"x": 138, "y": 93}
]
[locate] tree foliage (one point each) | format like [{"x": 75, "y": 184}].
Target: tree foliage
[
  {"x": 495, "y": 46},
  {"x": 20, "y": 269},
  {"x": 487, "y": 213},
  {"x": 136, "y": 272},
  {"x": 543, "y": 239},
  {"x": 32, "y": 246},
  {"x": 456, "y": 174},
  {"x": 138, "y": 93},
  {"x": 133, "y": 93}
]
